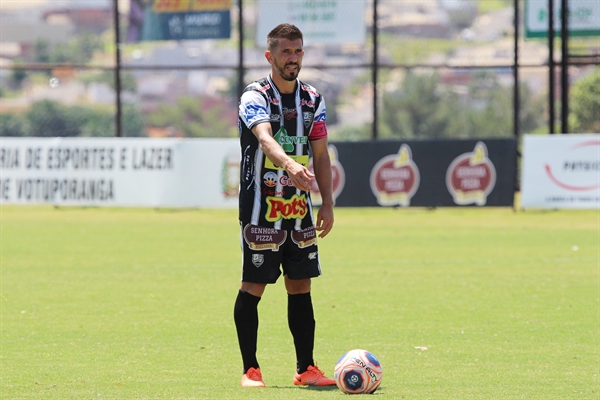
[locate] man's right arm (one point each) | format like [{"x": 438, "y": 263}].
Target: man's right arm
[{"x": 300, "y": 176}]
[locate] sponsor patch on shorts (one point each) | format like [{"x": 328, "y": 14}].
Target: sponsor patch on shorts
[
  {"x": 305, "y": 237},
  {"x": 261, "y": 238}
]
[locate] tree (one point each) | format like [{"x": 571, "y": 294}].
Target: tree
[
  {"x": 420, "y": 110},
  {"x": 17, "y": 75},
  {"x": 424, "y": 107},
  {"x": 41, "y": 51},
  {"x": 132, "y": 121},
  {"x": 49, "y": 118},
  {"x": 194, "y": 118},
  {"x": 13, "y": 125},
  {"x": 586, "y": 104},
  {"x": 79, "y": 49}
]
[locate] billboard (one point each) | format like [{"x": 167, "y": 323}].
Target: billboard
[
  {"x": 142, "y": 172},
  {"x": 120, "y": 172},
  {"x": 426, "y": 173},
  {"x": 561, "y": 171},
  {"x": 321, "y": 22},
  {"x": 583, "y": 18},
  {"x": 154, "y": 20}
]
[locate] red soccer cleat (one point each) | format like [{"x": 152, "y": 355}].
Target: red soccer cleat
[
  {"x": 253, "y": 378},
  {"x": 313, "y": 376}
]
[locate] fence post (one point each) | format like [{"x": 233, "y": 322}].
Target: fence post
[
  {"x": 241, "y": 48},
  {"x": 564, "y": 64},
  {"x": 551, "y": 65},
  {"x": 375, "y": 70},
  {"x": 119, "y": 132},
  {"x": 516, "y": 98}
]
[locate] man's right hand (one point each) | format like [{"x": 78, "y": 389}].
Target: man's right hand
[{"x": 300, "y": 176}]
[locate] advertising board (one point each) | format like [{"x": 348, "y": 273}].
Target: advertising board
[
  {"x": 119, "y": 172},
  {"x": 427, "y": 173},
  {"x": 321, "y": 22},
  {"x": 154, "y": 20},
  {"x": 561, "y": 171},
  {"x": 583, "y": 18},
  {"x": 205, "y": 172}
]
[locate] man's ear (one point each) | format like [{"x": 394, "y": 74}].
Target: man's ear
[{"x": 268, "y": 56}]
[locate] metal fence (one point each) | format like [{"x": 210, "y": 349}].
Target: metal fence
[{"x": 436, "y": 69}]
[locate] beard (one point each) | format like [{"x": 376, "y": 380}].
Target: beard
[{"x": 285, "y": 74}]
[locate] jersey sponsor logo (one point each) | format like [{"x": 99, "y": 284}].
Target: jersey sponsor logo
[
  {"x": 278, "y": 208},
  {"x": 289, "y": 113},
  {"x": 302, "y": 160},
  {"x": 261, "y": 238},
  {"x": 321, "y": 117},
  {"x": 309, "y": 90},
  {"x": 253, "y": 110},
  {"x": 286, "y": 142},
  {"x": 270, "y": 179},
  {"x": 305, "y": 237},
  {"x": 285, "y": 180},
  {"x": 309, "y": 103}
]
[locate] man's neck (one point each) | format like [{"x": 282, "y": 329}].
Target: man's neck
[{"x": 285, "y": 87}]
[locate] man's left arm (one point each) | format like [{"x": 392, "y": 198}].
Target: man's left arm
[{"x": 322, "y": 168}]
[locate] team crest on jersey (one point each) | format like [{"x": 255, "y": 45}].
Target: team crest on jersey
[{"x": 308, "y": 118}]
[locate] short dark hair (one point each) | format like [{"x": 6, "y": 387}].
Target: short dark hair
[{"x": 283, "y": 31}]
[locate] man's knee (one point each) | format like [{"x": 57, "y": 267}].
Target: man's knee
[
  {"x": 255, "y": 289},
  {"x": 297, "y": 286}
]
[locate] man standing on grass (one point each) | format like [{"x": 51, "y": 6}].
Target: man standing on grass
[{"x": 279, "y": 118}]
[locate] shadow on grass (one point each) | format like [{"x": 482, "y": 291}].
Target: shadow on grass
[
  {"x": 314, "y": 388},
  {"x": 379, "y": 391}
]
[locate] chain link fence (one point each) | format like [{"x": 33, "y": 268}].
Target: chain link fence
[{"x": 443, "y": 69}]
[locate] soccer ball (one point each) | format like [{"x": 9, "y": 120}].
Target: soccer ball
[{"x": 358, "y": 371}]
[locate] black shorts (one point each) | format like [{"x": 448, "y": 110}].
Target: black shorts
[{"x": 264, "y": 250}]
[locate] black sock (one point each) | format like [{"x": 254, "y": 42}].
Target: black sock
[
  {"x": 301, "y": 321},
  {"x": 245, "y": 315}
]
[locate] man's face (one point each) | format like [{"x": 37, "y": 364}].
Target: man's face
[{"x": 286, "y": 59}]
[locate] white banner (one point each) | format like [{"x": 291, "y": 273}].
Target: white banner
[
  {"x": 583, "y": 17},
  {"x": 120, "y": 172},
  {"x": 561, "y": 171},
  {"x": 321, "y": 22}
]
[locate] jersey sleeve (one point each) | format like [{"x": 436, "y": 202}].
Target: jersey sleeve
[
  {"x": 253, "y": 109},
  {"x": 319, "y": 129}
]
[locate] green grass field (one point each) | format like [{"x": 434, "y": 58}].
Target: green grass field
[{"x": 463, "y": 303}]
